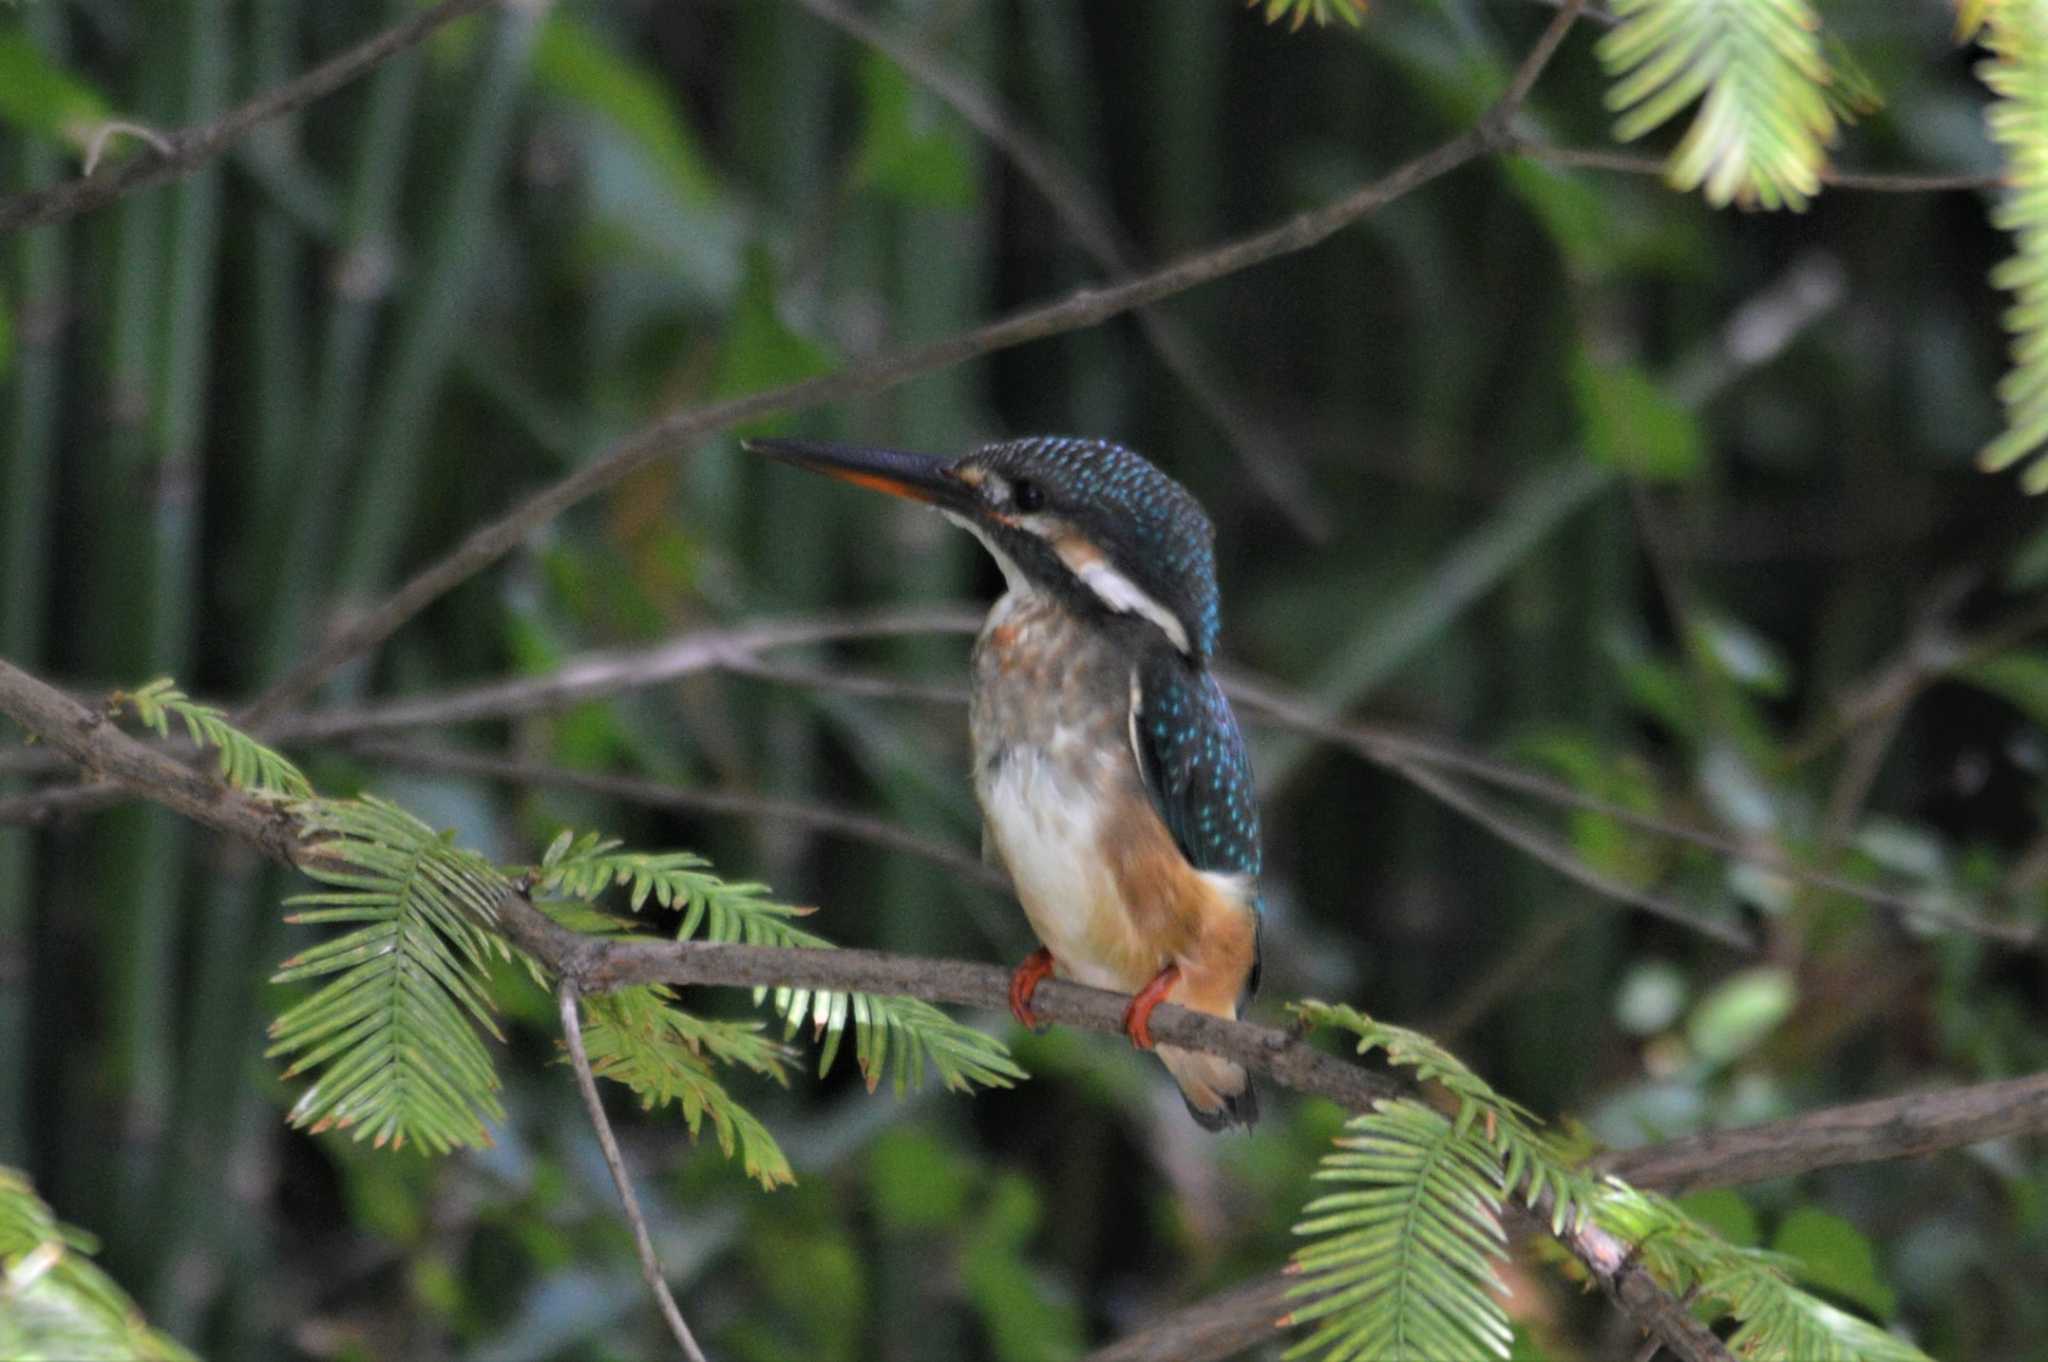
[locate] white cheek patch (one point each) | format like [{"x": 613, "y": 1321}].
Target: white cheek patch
[{"x": 1116, "y": 591}]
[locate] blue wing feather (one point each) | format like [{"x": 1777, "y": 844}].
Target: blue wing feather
[{"x": 1194, "y": 764}]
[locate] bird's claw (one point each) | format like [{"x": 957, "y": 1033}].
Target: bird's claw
[
  {"x": 1024, "y": 982},
  {"x": 1138, "y": 1013}
]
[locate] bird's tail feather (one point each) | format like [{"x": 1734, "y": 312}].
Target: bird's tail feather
[{"x": 1218, "y": 1092}]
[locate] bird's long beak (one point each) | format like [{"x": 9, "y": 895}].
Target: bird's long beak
[{"x": 900, "y": 473}]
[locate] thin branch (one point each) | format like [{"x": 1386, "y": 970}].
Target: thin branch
[
  {"x": 1596, "y": 158},
  {"x": 1268, "y": 461},
  {"x": 181, "y": 151},
  {"x": 1392, "y": 748},
  {"x": 660, "y": 794},
  {"x": 597, "y": 676},
  {"x": 1928, "y": 657},
  {"x": 1542, "y": 847},
  {"x": 643, "y": 1242},
  {"x": 1524, "y": 79},
  {"x": 486, "y": 544},
  {"x": 1833, "y": 1137}
]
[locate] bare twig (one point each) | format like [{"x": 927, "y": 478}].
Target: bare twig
[
  {"x": 1541, "y": 846},
  {"x": 660, "y": 794},
  {"x": 1928, "y": 658},
  {"x": 566, "y": 998},
  {"x": 1524, "y": 79},
  {"x": 596, "y": 676},
  {"x": 1268, "y": 461},
  {"x": 180, "y": 151},
  {"x": 1863, "y": 1132},
  {"x": 1595, "y": 158},
  {"x": 1393, "y": 749}
]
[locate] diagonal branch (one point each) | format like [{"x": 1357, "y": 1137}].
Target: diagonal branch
[
  {"x": 663, "y": 794},
  {"x": 1873, "y": 182},
  {"x": 181, "y": 151},
  {"x": 490, "y": 542},
  {"x": 566, "y": 999}
]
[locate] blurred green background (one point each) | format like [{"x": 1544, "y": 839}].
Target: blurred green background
[{"x": 1555, "y": 464}]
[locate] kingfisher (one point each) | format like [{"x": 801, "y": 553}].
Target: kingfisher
[{"x": 1112, "y": 778}]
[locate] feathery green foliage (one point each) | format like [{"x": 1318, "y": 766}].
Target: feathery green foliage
[
  {"x": 55, "y": 1303},
  {"x": 896, "y": 1037},
  {"x": 2016, "y": 33},
  {"x": 639, "y": 1037},
  {"x": 1404, "y": 1269},
  {"x": 396, "y": 1026},
  {"x": 1299, "y": 12},
  {"x": 245, "y": 763},
  {"x": 1761, "y": 72},
  {"x": 1779, "y": 1322}
]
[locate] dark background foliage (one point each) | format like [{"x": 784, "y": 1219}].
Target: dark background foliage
[{"x": 1574, "y": 471}]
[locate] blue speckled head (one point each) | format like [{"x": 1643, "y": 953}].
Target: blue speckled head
[{"x": 1147, "y": 526}]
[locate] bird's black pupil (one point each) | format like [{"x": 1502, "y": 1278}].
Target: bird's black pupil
[{"x": 1027, "y": 496}]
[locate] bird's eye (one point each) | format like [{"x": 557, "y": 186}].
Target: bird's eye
[{"x": 1027, "y": 496}]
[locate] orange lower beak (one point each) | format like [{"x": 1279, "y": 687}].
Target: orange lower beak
[{"x": 900, "y": 473}]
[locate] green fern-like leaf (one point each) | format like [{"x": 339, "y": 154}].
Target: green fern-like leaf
[
  {"x": 395, "y": 1027},
  {"x": 1413, "y": 1245},
  {"x": 244, "y": 763},
  {"x": 1536, "y": 1169},
  {"x": 1295, "y": 13},
  {"x": 638, "y": 1037},
  {"x": 2016, "y": 33},
  {"x": 1404, "y": 1270},
  {"x": 1778, "y": 1322},
  {"x": 55, "y": 1303},
  {"x": 1970, "y": 17},
  {"x": 1760, "y": 73},
  {"x": 894, "y": 1038}
]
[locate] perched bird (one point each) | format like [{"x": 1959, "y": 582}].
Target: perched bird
[{"x": 1112, "y": 778}]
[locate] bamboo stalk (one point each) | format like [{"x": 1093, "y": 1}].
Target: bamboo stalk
[
  {"x": 28, "y": 463},
  {"x": 437, "y": 309},
  {"x": 363, "y": 263},
  {"x": 171, "y": 594}
]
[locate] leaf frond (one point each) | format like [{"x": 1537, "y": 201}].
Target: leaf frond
[
  {"x": 2016, "y": 35},
  {"x": 1295, "y": 13},
  {"x": 1758, "y": 69},
  {"x": 638, "y": 1037},
  {"x": 1404, "y": 1266},
  {"x": 895, "y": 1038},
  {"x": 394, "y": 1028},
  {"x": 1404, "y": 1271},
  {"x": 54, "y": 1300},
  {"x": 1778, "y": 1322},
  {"x": 245, "y": 763}
]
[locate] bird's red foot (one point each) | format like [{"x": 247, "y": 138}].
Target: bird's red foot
[
  {"x": 1138, "y": 1015},
  {"x": 1037, "y": 967}
]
